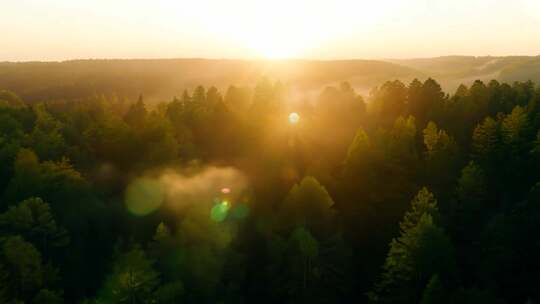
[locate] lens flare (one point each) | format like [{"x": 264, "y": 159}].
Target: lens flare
[
  {"x": 144, "y": 196},
  {"x": 294, "y": 118},
  {"x": 219, "y": 211},
  {"x": 225, "y": 190}
]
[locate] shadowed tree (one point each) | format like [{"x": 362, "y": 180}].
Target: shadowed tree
[
  {"x": 442, "y": 155},
  {"x": 46, "y": 139},
  {"x": 516, "y": 138},
  {"x": 46, "y": 296},
  {"x": 308, "y": 204},
  {"x": 486, "y": 142},
  {"x": 423, "y": 100},
  {"x": 467, "y": 217},
  {"x": 33, "y": 219},
  {"x": 133, "y": 279},
  {"x": 516, "y": 130},
  {"x": 421, "y": 251},
  {"x": 434, "y": 292},
  {"x": 23, "y": 264},
  {"x": 308, "y": 247},
  {"x": 388, "y": 102},
  {"x": 136, "y": 114}
]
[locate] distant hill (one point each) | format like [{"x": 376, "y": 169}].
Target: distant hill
[
  {"x": 160, "y": 79},
  {"x": 164, "y": 78},
  {"x": 454, "y": 70}
]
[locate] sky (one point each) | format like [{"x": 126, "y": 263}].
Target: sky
[{"x": 312, "y": 29}]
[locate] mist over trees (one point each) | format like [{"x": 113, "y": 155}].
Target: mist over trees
[{"x": 404, "y": 195}]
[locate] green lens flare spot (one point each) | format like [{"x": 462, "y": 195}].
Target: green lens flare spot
[
  {"x": 219, "y": 211},
  {"x": 144, "y": 196}
]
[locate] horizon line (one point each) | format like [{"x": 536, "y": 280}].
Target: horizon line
[{"x": 257, "y": 59}]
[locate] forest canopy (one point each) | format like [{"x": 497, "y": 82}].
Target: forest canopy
[{"x": 407, "y": 194}]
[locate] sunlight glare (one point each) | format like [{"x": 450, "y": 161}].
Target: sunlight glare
[
  {"x": 285, "y": 29},
  {"x": 294, "y": 118}
]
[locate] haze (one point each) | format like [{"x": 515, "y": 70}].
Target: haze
[{"x": 62, "y": 29}]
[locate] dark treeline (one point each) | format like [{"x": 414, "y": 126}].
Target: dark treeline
[{"x": 409, "y": 196}]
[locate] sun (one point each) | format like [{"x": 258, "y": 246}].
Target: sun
[
  {"x": 273, "y": 49},
  {"x": 272, "y": 41},
  {"x": 281, "y": 29},
  {"x": 274, "y": 30}
]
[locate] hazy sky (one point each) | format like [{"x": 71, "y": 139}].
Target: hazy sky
[{"x": 68, "y": 29}]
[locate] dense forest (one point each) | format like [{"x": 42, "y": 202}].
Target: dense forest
[
  {"x": 403, "y": 195},
  {"x": 160, "y": 79}
]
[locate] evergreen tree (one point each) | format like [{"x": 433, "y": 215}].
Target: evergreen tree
[
  {"x": 421, "y": 251},
  {"x": 46, "y": 138},
  {"x": 434, "y": 292},
  {"x": 33, "y": 219},
  {"x": 423, "y": 203},
  {"x": 133, "y": 279},
  {"x": 24, "y": 266},
  {"x": 516, "y": 131},
  {"x": 442, "y": 155},
  {"x": 308, "y": 204},
  {"x": 136, "y": 114},
  {"x": 486, "y": 142}
]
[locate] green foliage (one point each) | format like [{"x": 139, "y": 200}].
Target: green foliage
[
  {"x": 56, "y": 182},
  {"x": 437, "y": 141},
  {"x": 303, "y": 250},
  {"x": 358, "y": 149},
  {"x": 413, "y": 258},
  {"x": 157, "y": 138},
  {"x": 111, "y": 140},
  {"x": 46, "y": 296},
  {"x": 389, "y": 101},
  {"x": 442, "y": 155},
  {"x": 133, "y": 279},
  {"x": 486, "y": 141},
  {"x": 170, "y": 293},
  {"x": 423, "y": 203},
  {"x": 308, "y": 204},
  {"x": 421, "y": 251},
  {"x": 434, "y": 292},
  {"x": 196, "y": 254},
  {"x": 469, "y": 212},
  {"x": 515, "y": 130},
  {"x": 307, "y": 245},
  {"x": 136, "y": 114},
  {"x": 472, "y": 184},
  {"x": 424, "y": 99},
  {"x": 9, "y": 147},
  {"x": 163, "y": 233},
  {"x": 403, "y": 139},
  {"x": 65, "y": 167},
  {"x": 8, "y": 98},
  {"x": 32, "y": 219},
  {"x": 24, "y": 265},
  {"x": 46, "y": 139}
]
